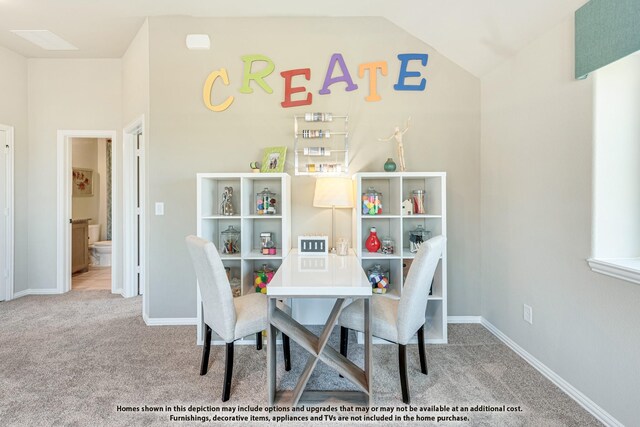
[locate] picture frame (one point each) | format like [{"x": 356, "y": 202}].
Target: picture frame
[
  {"x": 82, "y": 182},
  {"x": 274, "y": 159}
]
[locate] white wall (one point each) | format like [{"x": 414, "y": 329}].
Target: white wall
[
  {"x": 13, "y": 112},
  {"x": 536, "y": 156},
  {"x": 72, "y": 94},
  {"x": 135, "y": 76},
  {"x": 186, "y": 138},
  {"x": 135, "y": 103}
]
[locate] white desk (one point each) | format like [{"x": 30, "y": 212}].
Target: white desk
[{"x": 330, "y": 276}]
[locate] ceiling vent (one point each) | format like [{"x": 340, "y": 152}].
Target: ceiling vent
[{"x": 45, "y": 39}]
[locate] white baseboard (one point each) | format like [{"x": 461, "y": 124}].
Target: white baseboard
[
  {"x": 464, "y": 319},
  {"x": 35, "y": 292},
  {"x": 170, "y": 321},
  {"x": 588, "y": 404},
  {"x": 20, "y": 294}
]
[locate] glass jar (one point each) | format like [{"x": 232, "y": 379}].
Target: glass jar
[
  {"x": 387, "y": 246},
  {"x": 265, "y": 237},
  {"x": 371, "y": 202},
  {"x": 266, "y": 202},
  {"x": 417, "y": 237},
  {"x": 262, "y": 277},
  {"x": 235, "y": 287},
  {"x": 379, "y": 279},
  {"x": 230, "y": 241},
  {"x": 269, "y": 248},
  {"x": 267, "y": 243},
  {"x": 417, "y": 199}
]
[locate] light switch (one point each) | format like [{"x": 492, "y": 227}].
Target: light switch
[{"x": 159, "y": 208}]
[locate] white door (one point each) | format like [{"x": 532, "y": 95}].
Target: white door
[{"x": 4, "y": 142}]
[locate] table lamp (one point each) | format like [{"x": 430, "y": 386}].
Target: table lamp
[{"x": 333, "y": 193}]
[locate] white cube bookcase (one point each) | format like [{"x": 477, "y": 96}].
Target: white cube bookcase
[
  {"x": 211, "y": 222},
  {"x": 395, "y": 188}
]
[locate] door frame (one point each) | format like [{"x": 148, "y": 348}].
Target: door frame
[
  {"x": 129, "y": 206},
  {"x": 9, "y": 195},
  {"x": 64, "y": 211}
]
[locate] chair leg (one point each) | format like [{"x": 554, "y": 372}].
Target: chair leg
[
  {"x": 258, "y": 340},
  {"x": 344, "y": 342},
  {"x": 421, "y": 350},
  {"x": 228, "y": 372},
  {"x": 404, "y": 384},
  {"x": 206, "y": 347},
  {"x": 286, "y": 349}
]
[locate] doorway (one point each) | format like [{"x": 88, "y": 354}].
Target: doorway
[
  {"x": 66, "y": 212},
  {"x": 91, "y": 200},
  {"x": 6, "y": 212}
]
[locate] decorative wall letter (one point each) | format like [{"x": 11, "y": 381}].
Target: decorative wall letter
[
  {"x": 208, "y": 86},
  {"x": 258, "y": 76},
  {"x": 336, "y": 58},
  {"x": 288, "y": 90},
  {"x": 373, "y": 68},
  {"x": 404, "y": 61}
]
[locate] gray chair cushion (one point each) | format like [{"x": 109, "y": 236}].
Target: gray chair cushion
[
  {"x": 230, "y": 318},
  {"x": 383, "y": 322},
  {"x": 217, "y": 300},
  {"x": 251, "y": 313},
  {"x": 394, "y": 320},
  {"x": 415, "y": 293}
]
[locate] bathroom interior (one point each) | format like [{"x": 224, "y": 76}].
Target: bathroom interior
[{"x": 91, "y": 219}]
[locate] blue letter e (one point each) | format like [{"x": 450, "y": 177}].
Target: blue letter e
[{"x": 404, "y": 61}]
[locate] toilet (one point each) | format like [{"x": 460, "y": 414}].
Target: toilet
[{"x": 99, "y": 251}]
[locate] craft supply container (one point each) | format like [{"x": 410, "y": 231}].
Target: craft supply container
[
  {"x": 230, "y": 241},
  {"x": 379, "y": 279},
  {"x": 266, "y": 202},
  {"x": 371, "y": 202}
]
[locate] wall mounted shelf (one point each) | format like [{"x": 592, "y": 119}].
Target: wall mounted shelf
[{"x": 321, "y": 144}]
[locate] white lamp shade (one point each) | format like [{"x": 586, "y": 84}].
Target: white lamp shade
[{"x": 333, "y": 192}]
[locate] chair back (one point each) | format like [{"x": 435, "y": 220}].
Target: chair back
[
  {"x": 415, "y": 293},
  {"x": 217, "y": 300}
]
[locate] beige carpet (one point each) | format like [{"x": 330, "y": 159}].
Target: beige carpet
[{"x": 71, "y": 360}]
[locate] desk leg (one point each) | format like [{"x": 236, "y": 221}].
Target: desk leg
[
  {"x": 271, "y": 352},
  {"x": 368, "y": 359}
]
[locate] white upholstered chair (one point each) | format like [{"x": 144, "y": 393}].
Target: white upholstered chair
[
  {"x": 231, "y": 318},
  {"x": 399, "y": 320}
]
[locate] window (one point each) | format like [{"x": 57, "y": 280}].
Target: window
[{"x": 616, "y": 185}]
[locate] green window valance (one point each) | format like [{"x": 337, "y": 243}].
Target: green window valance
[{"x": 606, "y": 30}]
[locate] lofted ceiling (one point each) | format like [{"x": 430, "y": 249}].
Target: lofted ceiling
[{"x": 476, "y": 34}]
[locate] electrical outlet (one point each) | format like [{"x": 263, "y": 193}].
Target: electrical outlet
[{"x": 528, "y": 314}]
